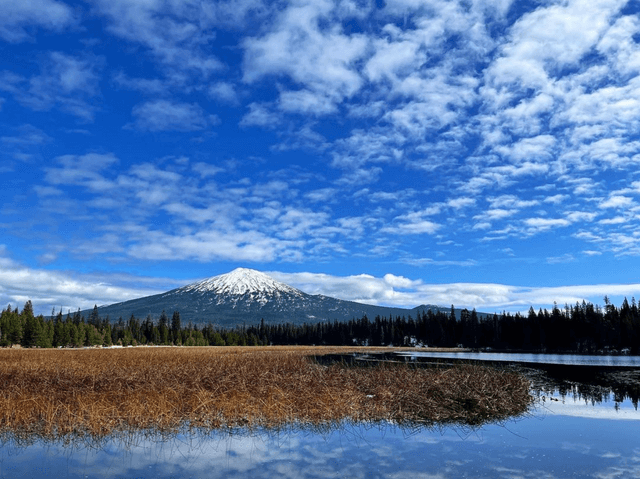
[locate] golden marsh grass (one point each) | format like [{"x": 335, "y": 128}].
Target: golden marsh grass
[{"x": 58, "y": 393}]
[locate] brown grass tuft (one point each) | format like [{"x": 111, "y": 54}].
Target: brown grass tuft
[{"x": 74, "y": 392}]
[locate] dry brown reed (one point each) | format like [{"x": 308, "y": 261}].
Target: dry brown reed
[{"x": 57, "y": 393}]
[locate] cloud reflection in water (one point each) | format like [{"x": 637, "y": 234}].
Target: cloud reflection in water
[{"x": 553, "y": 446}]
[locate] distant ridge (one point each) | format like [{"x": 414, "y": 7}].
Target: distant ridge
[{"x": 246, "y": 296}]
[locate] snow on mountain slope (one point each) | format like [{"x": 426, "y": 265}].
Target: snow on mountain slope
[
  {"x": 240, "y": 281},
  {"x": 247, "y": 283}
]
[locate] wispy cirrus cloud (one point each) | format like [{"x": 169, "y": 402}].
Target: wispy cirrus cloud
[
  {"x": 166, "y": 115},
  {"x": 66, "y": 82},
  {"x": 174, "y": 33},
  {"x": 164, "y": 212},
  {"x": 19, "y": 18}
]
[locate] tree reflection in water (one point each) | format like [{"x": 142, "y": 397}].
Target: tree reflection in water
[{"x": 589, "y": 384}]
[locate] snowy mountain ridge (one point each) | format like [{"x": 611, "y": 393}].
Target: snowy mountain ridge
[
  {"x": 249, "y": 284},
  {"x": 241, "y": 281}
]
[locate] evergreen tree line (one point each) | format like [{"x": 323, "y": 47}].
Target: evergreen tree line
[{"x": 584, "y": 328}]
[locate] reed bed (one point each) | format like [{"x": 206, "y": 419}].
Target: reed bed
[{"x": 58, "y": 393}]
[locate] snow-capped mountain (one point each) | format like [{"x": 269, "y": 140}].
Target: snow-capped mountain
[
  {"x": 243, "y": 284},
  {"x": 246, "y": 296}
]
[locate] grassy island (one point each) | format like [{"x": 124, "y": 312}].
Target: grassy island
[{"x": 58, "y": 393}]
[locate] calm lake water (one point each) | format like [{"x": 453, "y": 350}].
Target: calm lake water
[
  {"x": 566, "y": 359},
  {"x": 566, "y": 435}
]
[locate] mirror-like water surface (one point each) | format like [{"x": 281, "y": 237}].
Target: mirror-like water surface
[
  {"x": 565, "y": 359},
  {"x": 544, "y": 445}
]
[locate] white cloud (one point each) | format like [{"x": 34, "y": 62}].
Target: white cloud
[
  {"x": 416, "y": 227},
  {"x": 439, "y": 262},
  {"x": 212, "y": 245},
  {"x": 414, "y": 223},
  {"x": 539, "y": 147},
  {"x": 618, "y": 220},
  {"x": 495, "y": 214},
  {"x": 526, "y": 118},
  {"x": 551, "y": 38},
  {"x": 224, "y": 91},
  {"x": 165, "y": 115},
  {"x": 565, "y": 258},
  {"x": 322, "y": 195},
  {"x": 174, "y": 32},
  {"x": 624, "y": 242},
  {"x": 18, "y": 16},
  {"x": 26, "y": 135},
  {"x": 49, "y": 289},
  {"x": 556, "y": 199},
  {"x": 144, "y": 85},
  {"x": 606, "y": 152},
  {"x": 66, "y": 82},
  {"x": 44, "y": 191},
  {"x": 362, "y": 288},
  {"x": 24, "y": 143},
  {"x": 633, "y": 188},
  {"x": 163, "y": 211},
  {"x": 510, "y": 201},
  {"x": 616, "y": 201},
  {"x": 391, "y": 58},
  {"x": 320, "y": 59},
  {"x": 400, "y": 281},
  {"x": 461, "y": 202},
  {"x": 304, "y": 101},
  {"x": 206, "y": 170},
  {"x": 259, "y": 115},
  {"x": 391, "y": 290},
  {"x": 618, "y": 43},
  {"x": 85, "y": 170},
  {"x": 580, "y": 216},
  {"x": 483, "y": 225},
  {"x": 544, "y": 224}
]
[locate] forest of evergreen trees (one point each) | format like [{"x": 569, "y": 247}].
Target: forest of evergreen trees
[{"x": 583, "y": 328}]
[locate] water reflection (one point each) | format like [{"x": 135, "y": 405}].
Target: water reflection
[
  {"x": 589, "y": 384},
  {"x": 539, "y": 358},
  {"x": 537, "y": 446}
]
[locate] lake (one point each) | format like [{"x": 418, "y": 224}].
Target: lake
[
  {"x": 527, "y": 358},
  {"x": 573, "y": 431}
]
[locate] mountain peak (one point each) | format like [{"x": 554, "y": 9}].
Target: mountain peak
[{"x": 239, "y": 282}]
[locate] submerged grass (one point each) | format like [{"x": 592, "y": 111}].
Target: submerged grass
[{"x": 56, "y": 393}]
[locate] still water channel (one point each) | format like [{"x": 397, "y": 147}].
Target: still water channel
[
  {"x": 556, "y": 359},
  {"x": 575, "y": 430}
]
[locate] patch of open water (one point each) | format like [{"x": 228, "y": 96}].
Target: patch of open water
[
  {"x": 571, "y": 432},
  {"x": 542, "y": 358}
]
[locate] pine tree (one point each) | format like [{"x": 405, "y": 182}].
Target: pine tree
[
  {"x": 175, "y": 328},
  {"x": 31, "y": 328},
  {"x": 94, "y": 317},
  {"x": 163, "y": 328}
]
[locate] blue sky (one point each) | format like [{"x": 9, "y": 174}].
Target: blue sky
[{"x": 484, "y": 154}]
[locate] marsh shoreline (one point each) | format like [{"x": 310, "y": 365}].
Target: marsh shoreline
[{"x": 62, "y": 393}]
